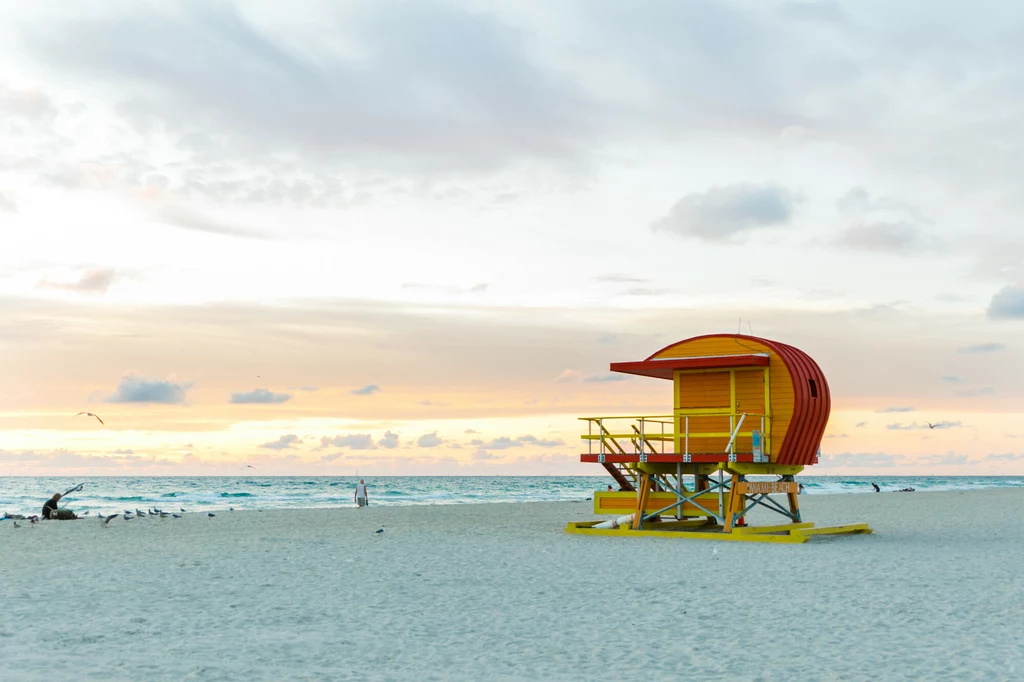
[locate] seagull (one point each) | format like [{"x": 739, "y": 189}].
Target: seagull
[
  {"x": 182, "y": 509},
  {"x": 107, "y": 519},
  {"x": 231, "y": 509},
  {"x": 177, "y": 516},
  {"x": 210, "y": 514},
  {"x": 714, "y": 553},
  {"x": 379, "y": 530},
  {"x": 128, "y": 517},
  {"x": 90, "y": 414},
  {"x": 139, "y": 512},
  {"x": 249, "y": 466},
  {"x": 17, "y": 525},
  {"x": 163, "y": 515},
  {"x": 85, "y": 513}
]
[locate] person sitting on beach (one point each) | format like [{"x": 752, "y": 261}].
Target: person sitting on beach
[
  {"x": 50, "y": 510},
  {"x": 875, "y": 486},
  {"x": 361, "y": 498}
]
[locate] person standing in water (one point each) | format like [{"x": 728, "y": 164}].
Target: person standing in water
[{"x": 361, "y": 497}]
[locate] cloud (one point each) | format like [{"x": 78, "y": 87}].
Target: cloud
[
  {"x": 355, "y": 441},
  {"x": 948, "y": 458},
  {"x": 191, "y": 219},
  {"x": 63, "y": 459},
  {"x": 1004, "y": 457},
  {"x": 540, "y": 442},
  {"x": 96, "y": 281},
  {"x": 976, "y": 392},
  {"x": 389, "y": 441},
  {"x": 860, "y": 425},
  {"x": 478, "y": 288},
  {"x": 134, "y": 389},
  {"x": 26, "y": 104},
  {"x": 952, "y": 379},
  {"x": 469, "y": 431},
  {"x": 895, "y": 409},
  {"x": 861, "y": 460},
  {"x": 885, "y": 237},
  {"x": 722, "y": 213},
  {"x": 916, "y": 426},
  {"x": 1007, "y": 303},
  {"x": 433, "y": 85},
  {"x": 982, "y": 348},
  {"x": 259, "y": 395},
  {"x": 882, "y": 225},
  {"x": 369, "y": 389},
  {"x": 481, "y": 455},
  {"x": 611, "y": 376},
  {"x": 124, "y": 452},
  {"x": 568, "y": 375},
  {"x": 429, "y": 440},
  {"x": 504, "y": 442},
  {"x": 282, "y": 443}
]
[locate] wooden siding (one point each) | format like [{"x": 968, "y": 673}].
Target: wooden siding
[{"x": 798, "y": 419}]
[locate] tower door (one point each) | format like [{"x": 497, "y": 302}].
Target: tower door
[{"x": 703, "y": 406}]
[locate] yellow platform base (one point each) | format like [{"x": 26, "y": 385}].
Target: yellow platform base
[{"x": 792, "y": 533}]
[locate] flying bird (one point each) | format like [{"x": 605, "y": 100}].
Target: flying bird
[
  {"x": 930, "y": 425},
  {"x": 249, "y": 466},
  {"x": 90, "y": 414},
  {"x": 107, "y": 519}
]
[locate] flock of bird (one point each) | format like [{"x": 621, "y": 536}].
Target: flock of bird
[{"x": 128, "y": 514}]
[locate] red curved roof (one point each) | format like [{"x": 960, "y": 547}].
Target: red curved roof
[{"x": 810, "y": 414}]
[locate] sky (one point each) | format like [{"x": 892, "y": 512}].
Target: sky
[{"x": 405, "y": 238}]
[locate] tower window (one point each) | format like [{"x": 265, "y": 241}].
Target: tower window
[{"x": 814, "y": 388}]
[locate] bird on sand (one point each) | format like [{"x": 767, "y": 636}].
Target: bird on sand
[
  {"x": 139, "y": 512},
  {"x": 379, "y": 530},
  {"x": 210, "y": 514},
  {"x": 177, "y": 516},
  {"x": 128, "y": 517},
  {"x": 182, "y": 509},
  {"x": 714, "y": 553},
  {"x": 107, "y": 519},
  {"x": 17, "y": 525},
  {"x": 90, "y": 414}
]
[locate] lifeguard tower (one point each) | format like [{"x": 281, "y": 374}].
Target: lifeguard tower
[{"x": 748, "y": 415}]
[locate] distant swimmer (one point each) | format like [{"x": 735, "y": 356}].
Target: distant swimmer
[
  {"x": 361, "y": 498},
  {"x": 90, "y": 414},
  {"x": 875, "y": 486},
  {"x": 609, "y": 489}
]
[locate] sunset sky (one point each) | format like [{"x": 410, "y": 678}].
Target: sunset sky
[{"x": 409, "y": 237}]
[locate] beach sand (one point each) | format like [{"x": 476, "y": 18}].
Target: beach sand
[{"x": 500, "y": 591}]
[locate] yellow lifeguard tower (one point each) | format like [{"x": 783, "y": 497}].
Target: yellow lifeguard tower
[{"x": 742, "y": 407}]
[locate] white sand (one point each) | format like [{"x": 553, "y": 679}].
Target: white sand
[{"x": 493, "y": 592}]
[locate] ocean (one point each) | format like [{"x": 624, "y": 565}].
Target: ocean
[{"x": 25, "y": 495}]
